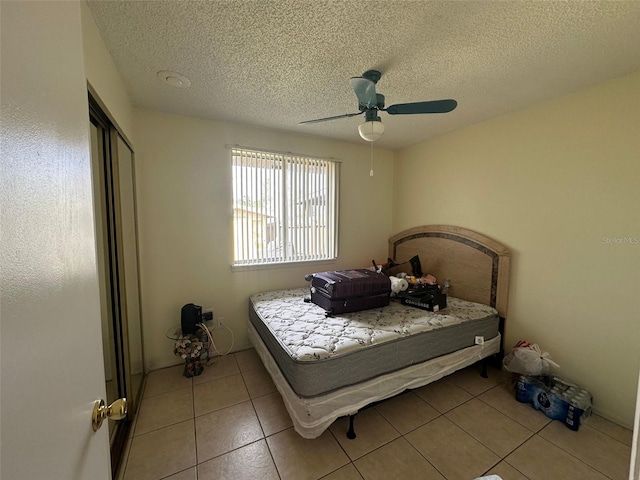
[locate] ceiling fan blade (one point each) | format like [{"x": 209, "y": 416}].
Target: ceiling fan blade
[
  {"x": 365, "y": 90},
  {"x": 435, "y": 106},
  {"x": 317, "y": 120}
]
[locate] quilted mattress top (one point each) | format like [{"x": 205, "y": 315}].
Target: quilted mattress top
[{"x": 307, "y": 334}]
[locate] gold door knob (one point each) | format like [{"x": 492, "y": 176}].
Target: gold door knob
[{"x": 116, "y": 411}]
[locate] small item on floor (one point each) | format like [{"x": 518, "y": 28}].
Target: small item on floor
[
  {"x": 490, "y": 477},
  {"x": 191, "y": 348},
  {"x": 558, "y": 399},
  {"x": 527, "y": 359}
]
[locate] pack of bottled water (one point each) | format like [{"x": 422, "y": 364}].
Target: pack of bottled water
[{"x": 558, "y": 399}]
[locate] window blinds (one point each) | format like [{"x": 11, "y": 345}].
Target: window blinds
[{"x": 285, "y": 207}]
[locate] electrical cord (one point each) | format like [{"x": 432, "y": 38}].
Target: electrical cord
[{"x": 213, "y": 344}]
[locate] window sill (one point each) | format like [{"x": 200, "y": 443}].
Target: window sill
[{"x": 266, "y": 266}]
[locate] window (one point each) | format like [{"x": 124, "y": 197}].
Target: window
[{"x": 284, "y": 207}]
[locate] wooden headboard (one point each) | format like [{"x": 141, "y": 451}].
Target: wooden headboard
[{"x": 476, "y": 266}]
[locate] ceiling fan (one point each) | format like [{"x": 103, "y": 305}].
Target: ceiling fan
[{"x": 370, "y": 103}]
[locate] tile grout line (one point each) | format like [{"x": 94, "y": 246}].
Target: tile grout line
[
  {"x": 516, "y": 469},
  {"x": 572, "y": 455},
  {"x": 501, "y": 458},
  {"x": 473, "y": 396},
  {"x": 532, "y": 433},
  {"x": 264, "y": 435},
  {"x": 195, "y": 430},
  {"x": 606, "y": 433}
]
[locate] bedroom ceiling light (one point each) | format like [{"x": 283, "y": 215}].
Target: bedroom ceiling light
[
  {"x": 371, "y": 130},
  {"x": 173, "y": 79}
]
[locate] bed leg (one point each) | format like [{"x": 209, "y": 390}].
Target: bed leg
[
  {"x": 351, "y": 434},
  {"x": 484, "y": 373}
]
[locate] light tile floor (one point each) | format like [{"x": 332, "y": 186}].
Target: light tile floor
[{"x": 230, "y": 423}]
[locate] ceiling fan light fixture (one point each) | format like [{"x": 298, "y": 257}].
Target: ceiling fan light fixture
[{"x": 371, "y": 130}]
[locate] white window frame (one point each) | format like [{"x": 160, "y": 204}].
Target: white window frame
[{"x": 285, "y": 208}]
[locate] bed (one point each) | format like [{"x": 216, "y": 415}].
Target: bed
[{"x": 326, "y": 367}]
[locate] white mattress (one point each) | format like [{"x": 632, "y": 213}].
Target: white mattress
[{"x": 318, "y": 354}]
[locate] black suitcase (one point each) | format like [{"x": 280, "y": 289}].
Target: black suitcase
[{"x": 343, "y": 291}]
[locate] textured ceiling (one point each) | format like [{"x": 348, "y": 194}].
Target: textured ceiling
[{"x": 274, "y": 63}]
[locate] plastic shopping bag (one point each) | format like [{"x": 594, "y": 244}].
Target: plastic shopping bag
[{"x": 528, "y": 359}]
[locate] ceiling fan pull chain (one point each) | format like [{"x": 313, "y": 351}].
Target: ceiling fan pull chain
[{"x": 371, "y": 171}]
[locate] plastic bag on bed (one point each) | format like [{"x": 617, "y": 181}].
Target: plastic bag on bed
[{"x": 527, "y": 359}]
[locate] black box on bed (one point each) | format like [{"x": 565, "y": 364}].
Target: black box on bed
[{"x": 426, "y": 297}]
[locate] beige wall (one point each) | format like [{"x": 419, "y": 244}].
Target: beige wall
[
  {"x": 556, "y": 183},
  {"x": 103, "y": 77},
  {"x": 185, "y": 212},
  {"x": 553, "y": 182}
]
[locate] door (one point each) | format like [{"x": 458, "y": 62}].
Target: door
[
  {"x": 117, "y": 256},
  {"x": 51, "y": 347},
  {"x": 129, "y": 264}
]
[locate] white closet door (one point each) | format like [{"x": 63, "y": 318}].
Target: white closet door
[{"x": 132, "y": 328}]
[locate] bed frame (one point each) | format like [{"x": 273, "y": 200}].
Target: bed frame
[{"x": 476, "y": 268}]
